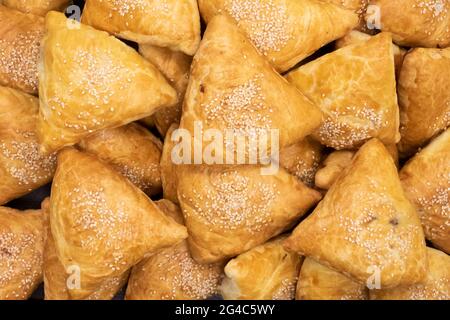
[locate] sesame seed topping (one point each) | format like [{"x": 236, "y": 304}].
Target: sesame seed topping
[
  {"x": 264, "y": 21},
  {"x": 241, "y": 109},
  {"x": 182, "y": 273},
  {"x": 286, "y": 290},
  {"x": 20, "y": 261},
  {"x": 99, "y": 222},
  {"x": 19, "y": 59},
  {"x": 24, "y": 162},
  {"x": 234, "y": 202},
  {"x": 366, "y": 123}
]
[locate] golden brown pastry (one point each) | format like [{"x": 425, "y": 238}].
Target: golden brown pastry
[
  {"x": 337, "y": 161},
  {"x": 355, "y": 37},
  {"x": 358, "y": 103},
  {"x": 436, "y": 285},
  {"x": 101, "y": 223},
  {"x": 414, "y": 23},
  {"x": 37, "y": 7},
  {"x": 175, "y": 66},
  {"x": 233, "y": 88},
  {"x": 317, "y": 282},
  {"x": 333, "y": 165},
  {"x": 21, "y": 247},
  {"x": 165, "y": 23},
  {"x": 302, "y": 159},
  {"x": 20, "y": 38},
  {"x": 424, "y": 97},
  {"x": 426, "y": 181},
  {"x": 365, "y": 226},
  {"x": 359, "y": 6},
  {"x": 22, "y": 167},
  {"x": 133, "y": 151},
  {"x": 90, "y": 81},
  {"x": 266, "y": 272},
  {"x": 172, "y": 274},
  {"x": 169, "y": 178},
  {"x": 56, "y": 277},
  {"x": 231, "y": 209},
  {"x": 286, "y": 31}
]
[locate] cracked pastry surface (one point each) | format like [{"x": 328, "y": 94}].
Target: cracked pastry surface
[{"x": 358, "y": 103}]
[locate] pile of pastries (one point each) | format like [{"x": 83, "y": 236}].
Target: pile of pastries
[{"x": 359, "y": 91}]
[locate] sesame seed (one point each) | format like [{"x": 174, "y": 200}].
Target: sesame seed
[
  {"x": 235, "y": 202},
  {"x": 19, "y": 59},
  {"x": 264, "y": 21},
  {"x": 24, "y": 162}
]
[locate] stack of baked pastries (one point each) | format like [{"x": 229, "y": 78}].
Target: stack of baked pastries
[{"x": 120, "y": 110}]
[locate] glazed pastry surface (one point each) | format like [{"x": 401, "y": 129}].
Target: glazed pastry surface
[
  {"x": 23, "y": 168},
  {"x": 165, "y": 23},
  {"x": 285, "y": 31},
  {"x": 86, "y": 77}
]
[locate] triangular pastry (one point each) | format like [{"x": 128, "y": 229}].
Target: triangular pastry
[
  {"x": 37, "y": 7},
  {"x": 426, "y": 181},
  {"x": 358, "y": 103},
  {"x": 317, "y": 282},
  {"x": 21, "y": 247},
  {"x": 56, "y": 277},
  {"x": 286, "y": 31},
  {"x": 436, "y": 285},
  {"x": 302, "y": 159},
  {"x": 232, "y": 88},
  {"x": 413, "y": 23},
  {"x": 23, "y": 167},
  {"x": 90, "y": 81},
  {"x": 133, "y": 151},
  {"x": 165, "y": 23},
  {"x": 20, "y": 39},
  {"x": 231, "y": 209},
  {"x": 101, "y": 223},
  {"x": 337, "y": 161},
  {"x": 266, "y": 272},
  {"x": 175, "y": 66},
  {"x": 358, "y": 6},
  {"x": 355, "y": 37},
  {"x": 171, "y": 273},
  {"x": 424, "y": 97},
  {"x": 365, "y": 226}
]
